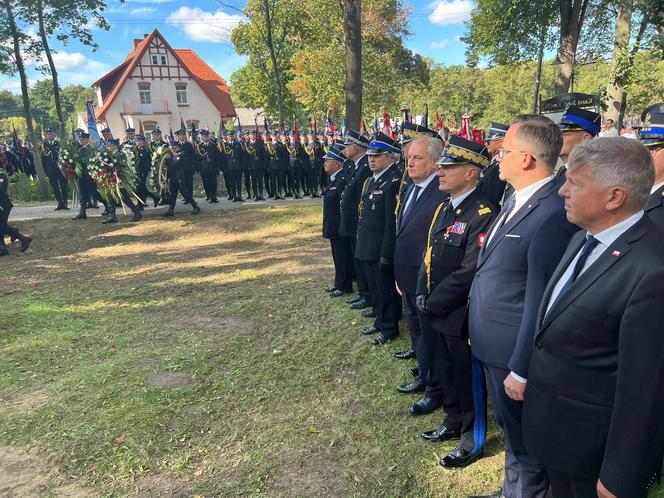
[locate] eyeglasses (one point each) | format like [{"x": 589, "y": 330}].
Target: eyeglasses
[{"x": 501, "y": 153}]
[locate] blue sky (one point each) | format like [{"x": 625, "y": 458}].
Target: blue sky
[{"x": 205, "y": 28}]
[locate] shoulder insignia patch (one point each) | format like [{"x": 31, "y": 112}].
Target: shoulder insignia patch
[{"x": 483, "y": 211}]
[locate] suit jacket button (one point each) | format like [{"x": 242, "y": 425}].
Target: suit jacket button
[{"x": 538, "y": 345}]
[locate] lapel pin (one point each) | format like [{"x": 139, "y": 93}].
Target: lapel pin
[{"x": 615, "y": 253}]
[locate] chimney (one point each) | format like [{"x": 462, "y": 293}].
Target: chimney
[{"x": 136, "y": 42}]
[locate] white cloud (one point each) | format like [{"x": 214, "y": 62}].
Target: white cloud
[
  {"x": 143, "y": 11},
  {"x": 444, "y": 12},
  {"x": 69, "y": 60},
  {"x": 437, "y": 45},
  {"x": 199, "y": 25}
]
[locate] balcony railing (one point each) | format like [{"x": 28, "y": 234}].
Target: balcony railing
[{"x": 157, "y": 106}]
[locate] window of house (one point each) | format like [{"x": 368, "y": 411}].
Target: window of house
[
  {"x": 163, "y": 60},
  {"x": 192, "y": 122},
  {"x": 144, "y": 93},
  {"x": 155, "y": 60},
  {"x": 181, "y": 93},
  {"x": 149, "y": 127}
]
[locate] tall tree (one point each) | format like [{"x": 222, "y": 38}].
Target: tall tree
[
  {"x": 353, "y": 50},
  {"x": 69, "y": 20},
  {"x": 615, "y": 89},
  {"x": 572, "y": 15},
  {"x": 17, "y": 39}
]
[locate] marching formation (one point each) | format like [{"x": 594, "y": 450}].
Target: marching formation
[{"x": 528, "y": 268}]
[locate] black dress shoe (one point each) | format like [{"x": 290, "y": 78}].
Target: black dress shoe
[
  {"x": 412, "y": 387},
  {"x": 110, "y": 219},
  {"x": 441, "y": 434},
  {"x": 196, "y": 210},
  {"x": 370, "y": 330},
  {"x": 137, "y": 216},
  {"x": 425, "y": 405},
  {"x": 353, "y": 299},
  {"x": 369, "y": 314},
  {"x": 460, "y": 458},
  {"x": 337, "y": 293},
  {"x": 332, "y": 288},
  {"x": 405, "y": 355},
  {"x": 25, "y": 243},
  {"x": 360, "y": 305},
  {"x": 381, "y": 339},
  {"x": 497, "y": 494}
]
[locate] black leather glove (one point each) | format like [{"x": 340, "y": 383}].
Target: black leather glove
[
  {"x": 421, "y": 304},
  {"x": 385, "y": 262}
]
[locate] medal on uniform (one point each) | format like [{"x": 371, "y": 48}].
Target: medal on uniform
[
  {"x": 373, "y": 207},
  {"x": 371, "y": 196}
]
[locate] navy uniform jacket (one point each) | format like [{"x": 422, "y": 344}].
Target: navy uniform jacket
[
  {"x": 655, "y": 207},
  {"x": 512, "y": 272},
  {"x": 411, "y": 238},
  {"x": 331, "y": 213},
  {"x": 144, "y": 159},
  {"x": 375, "y": 226},
  {"x": 186, "y": 156},
  {"x": 5, "y": 202},
  {"x": 50, "y": 152},
  {"x": 447, "y": 273},
  {"x": 208, "y": 160},
  {"x": 491, "y": 186},
  {"x": 276, "y": 155},
  {"x": 237, "y": 158},
  {"x": 350, "y": 197},
  {"x": 593, "y": 403}
]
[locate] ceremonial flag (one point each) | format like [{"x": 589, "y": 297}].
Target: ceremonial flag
[
  {"x": 425, "y": 116},
  {"x": 265, "y": 127},
  {"x": 363, "y": 127},
  {"x": 258, "y": 133},
  {"x": 313, "y": 124},
  {"x": 92, "y": 126},
  {"x": 387, "y": 125},
  {"x": 141, "y": 131},
  {"x": 194, "y": 133},
  {"x": 465, "y": 127},
  {"x": 239, "y": 129},
  {"x": 331, "y": 125},
  {"x": 343, "y": 126},
  {"x": 183, "y": 126},
  {"x": 15, "y": 146},
  {"x": 222, "y": 128},
  {"x": 296, "y": 131},
  {"x": 170, "y": 135}
]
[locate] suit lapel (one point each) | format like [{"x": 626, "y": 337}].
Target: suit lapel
[
  {"x": 450, "y": 214},
  {"x": 655, "y": 199},
  {"x": 518, "y": 217},
  {"x": 609, "y": 257},
  {"x": 419, "y": 202}
]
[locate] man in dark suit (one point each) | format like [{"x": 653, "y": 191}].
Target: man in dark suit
[
  {"x": 492, "y": 187},
  {"x": 419, "y": 203},
  {"x": 50, "y": 152},
  {"x": 376, "y": 236},
  {"x": 520, "y": 252},
  {"x": 652, "y": 136},
  {"x": 578, "y": 126},
  {"x": 341, "y": 250},
  {"x": 454, "y": 240},
  {"x": 206, "y": 150},
  {"x": 356, "y": 152},
  {"x": 593, "y": 406},
  {"x": 178, "y": 164}
]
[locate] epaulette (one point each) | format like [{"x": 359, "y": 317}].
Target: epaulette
[{"x": 483, "y": 210}]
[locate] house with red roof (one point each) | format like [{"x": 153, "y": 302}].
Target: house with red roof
[{"x": 158, "y": 86}]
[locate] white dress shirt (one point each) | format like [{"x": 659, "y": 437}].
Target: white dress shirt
[
  {"x": 376, "y": 176},
  {"x": 655, "y": 187},
  {"x": 423, "y": 184},
  {"x": 605, "y": 239},
  {"x": 458, "y": 200}
]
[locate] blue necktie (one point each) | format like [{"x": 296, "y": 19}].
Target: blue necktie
[
  {"x": 591, "y": 243},
  {"x": 413, "y": 197}
]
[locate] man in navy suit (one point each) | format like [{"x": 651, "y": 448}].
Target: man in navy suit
[
  {"x": 593, "y": 406},
  {"x": 520, "y": 252},
  {"x": 652, "y": 136},
  {"x": 420, "y": 200}
]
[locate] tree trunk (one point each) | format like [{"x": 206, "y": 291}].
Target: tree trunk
[
  {"x": 24, "y": 87},
  {"x": 51, "y": 64},
  {"x": 572, "y": 13},
  {"x": 353, "y": 45},
  {"x": 276, "y": 71},
  {"x": 538, "y": 75},
  {"x": 615, "y": 91}
]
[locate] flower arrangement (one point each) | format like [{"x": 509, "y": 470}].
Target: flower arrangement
[
  {"x": 113, "y": 171},
  {"x": 155, "y": 179},
  {"x": 70, "y": 162}
]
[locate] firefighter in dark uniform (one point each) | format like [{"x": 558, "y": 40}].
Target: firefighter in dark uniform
[
  {"x": 179, "y": 162},
  {"x": 50, "y": 151},
  {"x": 143, "y": 167},
  {"x": 341, "y": 249},
  {"x": 257, "y": 165},
  {"x": 237, "y": 159},
  {"x": 157, "y": 142},
  {"x": 376, "y": 234},
  {"x": 86, "y": 184},
  {"x": 315, "y": 154},
  {"x": 130, "y": 138},
  {"x": 652, "y": 136},
  {"x": 275, "y": 151},
  {"x": 224, "y": 158},
  {"x": 295, "y": 165},
  {"x": 208, "y": 162},
  {"x": 356, "y": 165},
  {"x": 456, "y": 235},
  {"x": 5, "y": 208},
  {"x": 490, "y": 184}
]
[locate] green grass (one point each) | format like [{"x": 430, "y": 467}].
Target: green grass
[{"x": 284, "y": 398}]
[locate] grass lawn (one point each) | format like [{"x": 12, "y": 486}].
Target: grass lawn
[{"x": 200, "y": 356}]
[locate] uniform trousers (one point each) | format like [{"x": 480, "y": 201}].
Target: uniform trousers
[
  {"x": 342, "y": 255},
  {"x": 178, "y": 182},
  {"x": 59, "y": 185},
  {"x": 525, "y": 476},
  {"x": 386, "y": 300},
  {"x": 209, "y": 178},
  {"x": 564, "y": 486},
  {"x": 360, "y": 275},
  {"x": 257, "y": 176}
]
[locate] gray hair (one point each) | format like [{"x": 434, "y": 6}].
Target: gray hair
[
  {"x": 617, "y": 161},
  {"x": 542, "y": 135},
  {"x": 434, "y": 147}
]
